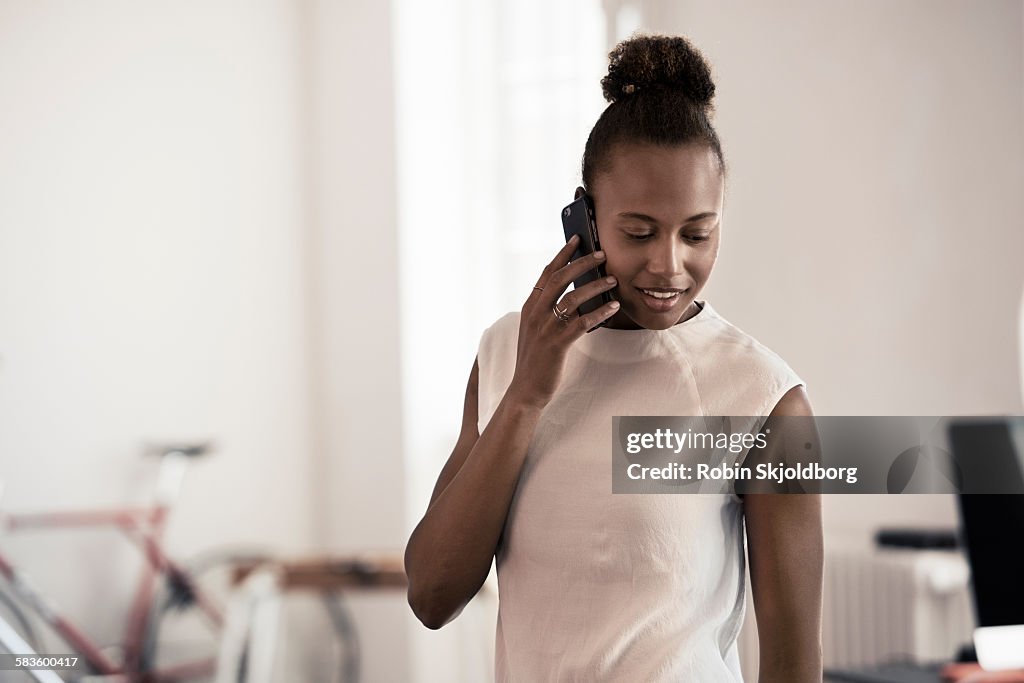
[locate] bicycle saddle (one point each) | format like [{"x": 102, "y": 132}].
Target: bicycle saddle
[{"x": 193, "y": 450}]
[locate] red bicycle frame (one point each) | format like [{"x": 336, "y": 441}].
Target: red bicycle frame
[{"x": 145, "y": 527}]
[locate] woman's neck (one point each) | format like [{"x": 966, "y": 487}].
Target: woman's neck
[{"x": 621, "y": 321}]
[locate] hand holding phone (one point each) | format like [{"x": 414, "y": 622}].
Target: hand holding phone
[
  {"x": 578, "y": 219},
  {"x": 547, "y": 327}
]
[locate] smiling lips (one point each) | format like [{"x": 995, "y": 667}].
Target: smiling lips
[
  {"x": 658, "y": 294},
  {"x": 660, "y": 299}
]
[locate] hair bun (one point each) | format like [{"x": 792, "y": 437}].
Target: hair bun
[{"x": 644, "y": 62}]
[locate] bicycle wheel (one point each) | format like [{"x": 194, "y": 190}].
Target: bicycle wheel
[
  {"x": 18, "y": 620},
  {"x": 179, "y": 632},
  {"x": 14, "y": 618}
]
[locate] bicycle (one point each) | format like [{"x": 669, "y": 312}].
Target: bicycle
[{"x": 187, "y": 590}]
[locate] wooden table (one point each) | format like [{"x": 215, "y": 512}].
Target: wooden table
[
  {"x": 343, "y": 572},
  {"x": 254, "y": 615}
]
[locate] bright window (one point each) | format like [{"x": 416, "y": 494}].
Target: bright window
[{"x": 495, "y": 101}]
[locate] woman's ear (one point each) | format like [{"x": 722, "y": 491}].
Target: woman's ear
[{"x": 579, "y": 192}]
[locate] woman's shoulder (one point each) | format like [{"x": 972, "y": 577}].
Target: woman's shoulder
[
  {"x": 504, "y": 326},
  {"x": 508, "y": 320},
  {"x": 725, "y": 337},
  {"x": 730, "y": 353},
  {"x": 496, "y": 360},
  {"x": 724, "y": 330},
  {"x": 501, "y": 332}
]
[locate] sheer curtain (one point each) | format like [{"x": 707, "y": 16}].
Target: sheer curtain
[
  {"x": 495, "y": 101},
  {"x": 494, "y": 104}
]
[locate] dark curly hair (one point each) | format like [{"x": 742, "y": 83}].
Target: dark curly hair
[{"x": 660, "y": 90}]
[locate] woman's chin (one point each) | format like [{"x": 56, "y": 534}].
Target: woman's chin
[{"x": 638, "y": 315}]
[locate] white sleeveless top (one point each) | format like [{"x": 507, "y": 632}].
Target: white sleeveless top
[{"x": 627, "y": 587}]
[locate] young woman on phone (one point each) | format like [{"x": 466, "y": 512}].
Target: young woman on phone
[{"x": 601, "y": 587}]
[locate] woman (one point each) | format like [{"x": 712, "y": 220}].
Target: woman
[{"x": 602, "y": 587}]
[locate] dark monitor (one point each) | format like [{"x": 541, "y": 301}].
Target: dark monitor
[{"x": 992, "y": 526}]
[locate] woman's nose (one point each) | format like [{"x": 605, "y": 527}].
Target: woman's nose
[{"x": 667, "y": 259}]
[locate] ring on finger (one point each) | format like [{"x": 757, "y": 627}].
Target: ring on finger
[{"x": 560, "y": 313}]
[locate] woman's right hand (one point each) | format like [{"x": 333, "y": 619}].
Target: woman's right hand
[{"x": 544, "y": 339}]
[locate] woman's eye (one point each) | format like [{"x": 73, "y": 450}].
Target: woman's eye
[{"x": 640, "y": 237}]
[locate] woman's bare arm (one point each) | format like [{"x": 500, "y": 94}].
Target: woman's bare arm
[
  {"x": 449, "y": 554},
  {"x": 786, "y": 548}
]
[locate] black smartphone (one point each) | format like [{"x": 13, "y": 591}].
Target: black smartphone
[{"x": 578, "y": 219}]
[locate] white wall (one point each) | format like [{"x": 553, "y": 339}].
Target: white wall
[
  {"x": 197, "y": 238},
  {"x": 354, "y": 263},
  {"x": 872, "y": 221},
  {"x": 872, "y": 230},
  {"x": 152, "y": 278}
]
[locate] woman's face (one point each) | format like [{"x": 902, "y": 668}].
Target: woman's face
[{"x": 658, "y": 212}]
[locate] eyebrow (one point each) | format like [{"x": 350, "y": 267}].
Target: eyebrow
[{"x": 648, "y": 219}]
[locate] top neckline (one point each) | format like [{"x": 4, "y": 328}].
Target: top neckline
[{"x": 626, "y": 346}]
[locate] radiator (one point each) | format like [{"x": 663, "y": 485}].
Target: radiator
[{"x": 883, "y": 605}]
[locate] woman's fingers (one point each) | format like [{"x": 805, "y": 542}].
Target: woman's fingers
[
  {"x": 561, "y": 278},
  {"x": 548, "y": 326},
  {"x": 558, "y": 274},
  {"x": 561, "y": 258},
  {"x": 585, "y": 323},
  {"x": 576, "y": 297}
]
